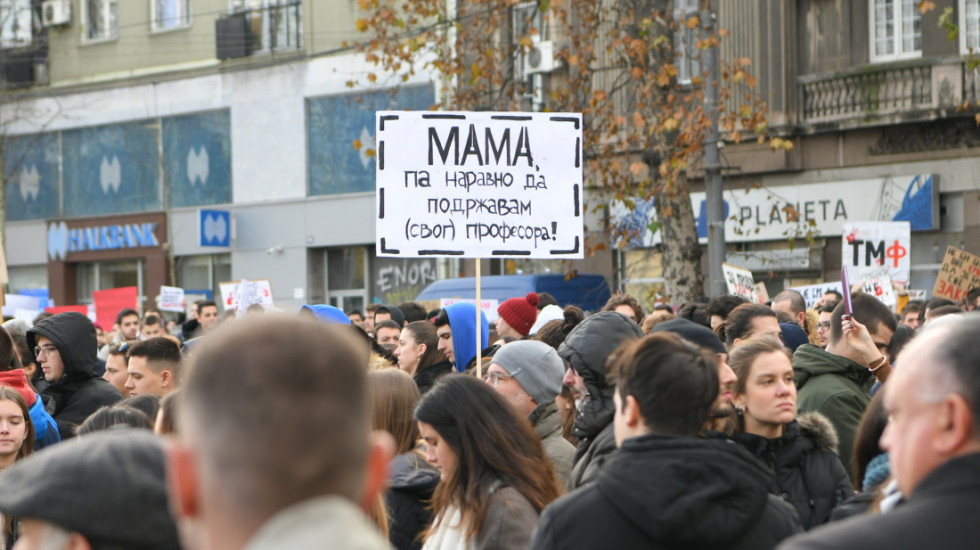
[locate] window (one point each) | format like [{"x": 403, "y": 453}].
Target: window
[
  {"x": 896, "y": 30},
  {"x": 276, "y": 24},
  {"x": 94, "y": 276},
  {"x": 171, "y": 14},
  {"x": 970, "y": 27},
  {"x": 99, "y": 19},
  {"x": 15, "y": 23},
  {"x": 526, "y": 21},
  {"x": 687, "y": 60},
  {"x": 197, "y": 274}
]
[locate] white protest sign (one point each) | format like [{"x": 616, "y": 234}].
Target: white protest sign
[
  {"x": 917, "y": 295},
  {"x": 880, "y": 286},
  {"x": 813, "y": 293},
  {"x": 740, "y": 282},
  {"x": 256, "y": 292},
  {"x": 489, "y": 307},
  {"x": 26, "y": 314},
  {"x": 171, "y": 298},
  {"x": 480, "y": 184},
  {"x": 866, "y": 247},
  {"x": 14, "y": 302}
]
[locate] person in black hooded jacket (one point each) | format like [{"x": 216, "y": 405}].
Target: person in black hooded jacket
[
  {"x": 666, "y": 487},
  {"x": 586, "y": 349},
  {"x": 66, "y": 349},
  {"x": 800, "y": 450}
]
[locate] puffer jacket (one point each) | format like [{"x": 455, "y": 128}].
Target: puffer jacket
[
  {"x": 661, "y": 492},
  {"x": 411, "y": 482},
  {"x": 79, "y": 392},
  {"x": 587, "y": 348},
  {"x": 835, "y": 387},
  {"x": 808, "y": 473}
]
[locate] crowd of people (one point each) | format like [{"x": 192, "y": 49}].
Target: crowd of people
[{"x": 713, "y": 424}]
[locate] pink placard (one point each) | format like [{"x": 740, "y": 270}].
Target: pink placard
[{"x": 108, "y": 304}]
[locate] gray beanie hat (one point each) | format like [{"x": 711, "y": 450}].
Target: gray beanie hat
[
  {"x": 109, "y": 486},
  {"x": 535, "y": 365}
]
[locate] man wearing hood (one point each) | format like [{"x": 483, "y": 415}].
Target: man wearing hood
[
  {"x": 586, "y": 349},
  {"x": 666, "y": 487},
  {"x": 66, "y": 348},
  {"x": 456, "y": 329}
]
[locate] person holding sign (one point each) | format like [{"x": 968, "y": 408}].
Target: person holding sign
[{"x": 836, "y": 382}]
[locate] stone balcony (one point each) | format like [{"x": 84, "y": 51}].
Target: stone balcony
[{"x": 902, "y": 91}]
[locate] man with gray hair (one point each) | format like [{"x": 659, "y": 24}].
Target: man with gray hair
[
  {"x": 933, "y": 444},
  {"x": 529, "y": 375},
  {"x": 271, "y": 461}
]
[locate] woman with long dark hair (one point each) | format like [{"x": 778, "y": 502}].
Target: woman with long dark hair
[
  {"x": 494, "y": 476},
  {"x": 419, "y": 356},
  {"x": 16, "y": 442},
  {"x": 800, "y": 449}
]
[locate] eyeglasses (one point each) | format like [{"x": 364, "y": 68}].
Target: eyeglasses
[
  {"x": 823, "y": 326},
  {"x": 494, "y": 378},
  {"x": 45, "y": 350}
]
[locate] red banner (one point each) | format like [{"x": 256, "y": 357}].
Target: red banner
[
  {"x": 108, "y": 304},
  {"x": 65, "y": 309}
]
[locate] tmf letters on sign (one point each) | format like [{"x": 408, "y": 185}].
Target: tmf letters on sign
[{"x": 480, "y": 184}]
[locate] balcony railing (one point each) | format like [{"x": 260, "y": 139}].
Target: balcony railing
[
  {"x": 906, "y": 89},
  {"x": 273, "y": 27}
]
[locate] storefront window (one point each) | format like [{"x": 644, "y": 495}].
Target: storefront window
[
  {"x": 105, "y": 275},
  {"x": 27, "y": 276},
  {"x": 204, "y": 272},
  {"x": 338, "y": 276}
]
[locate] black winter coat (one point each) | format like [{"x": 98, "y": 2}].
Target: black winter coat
[
  {"x": 411, "y": 483},
  {"x": 587, "y": 348},
  {"x": 941, "y": 513},
  {"x": 426, "y": 377},
  {"x": 660, "y": 492},
  {"x": 79, "y": 392},
  {"x": 809, "y": 475}
]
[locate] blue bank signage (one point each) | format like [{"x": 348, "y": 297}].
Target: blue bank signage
[
  {"x": 214, "y": 227},
  {"x": 66, "y": 238}
]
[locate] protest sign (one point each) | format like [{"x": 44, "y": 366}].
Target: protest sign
[
  {"x": 740, "y": 282},
  {"x": 480, "y": 184},
  {"x": 959, "y": 274},
  {"x": 258, "y": 291},
  {"x": 919, "y": 295},
  {"x": 880, "y": 286},
  {"x": 108, "y": 304},
  {"x": 14, "y": 302},
  {"x": 868, "y": 246},
  {"x": 813, "y": 293},
  {"x": 54, "y": 310},
  {"x": 489, "y": 307},
  {"x": 171, "y": 298}
]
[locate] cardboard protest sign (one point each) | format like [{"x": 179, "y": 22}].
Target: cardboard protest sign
[
  {"x": 867, "y": 247},
  {"x": 813, "y": 293},
  {"x": 740, "y": 282},
  {"x": 959, "y": 274},
  {"x": 255, "y": 292},
  {"x": 477, "y": 185},
  {"x": 108, "y": 304},
  {"x": 171, "y": 298},
  {"x": 489, "y": 307}
]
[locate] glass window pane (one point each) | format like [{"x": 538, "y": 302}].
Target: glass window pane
[
  {"x": 222, "y": 272},
  {"x": 192, "y": 272},
  {"x": 85, "y": 283},
  {"x": 27, "y": 276},
  {"x": 345, "y": 268},
  {"x": 119, "y": 274}
]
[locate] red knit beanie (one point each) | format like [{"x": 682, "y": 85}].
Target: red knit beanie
[
  {"x": 17, "y": 380},
  {"x": 520, "y": 313}
]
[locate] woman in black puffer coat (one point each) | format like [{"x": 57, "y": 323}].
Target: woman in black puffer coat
[{"x": 801, "y": 450}]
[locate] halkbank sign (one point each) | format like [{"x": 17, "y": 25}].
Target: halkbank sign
[{"x": 63, "y": 240}]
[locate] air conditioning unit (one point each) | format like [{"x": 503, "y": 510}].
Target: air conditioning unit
[
  {"x": 56, "y": 12},
  {"x": 540, "y": 58}
]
